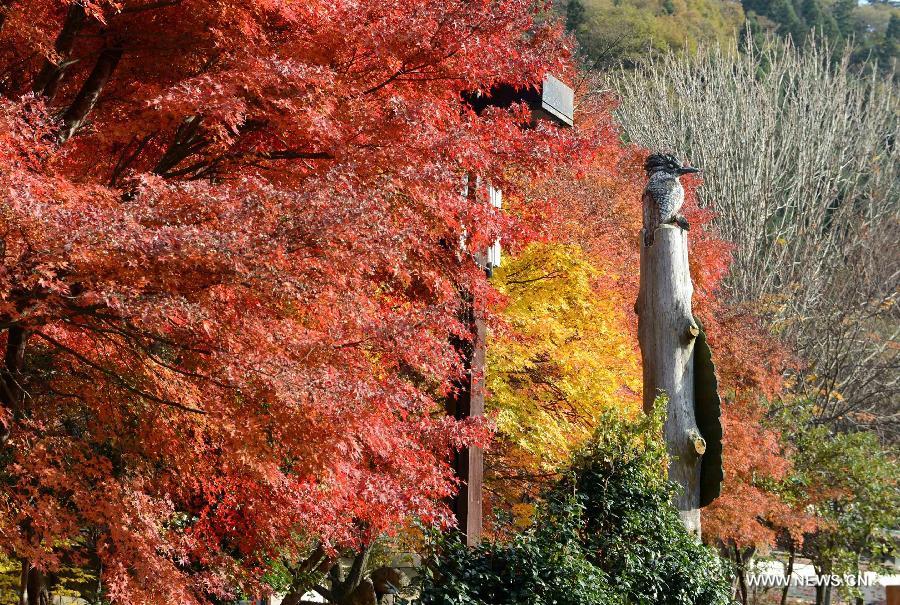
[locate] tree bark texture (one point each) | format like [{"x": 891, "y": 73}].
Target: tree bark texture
[
  {"x": 304, "y": 575},
  {"x": 792, "y": 555},
  {"x": 12, "y": 392},
  {"x": 47, "y": 81},
  {"x": 84, "y": 101},
  {"x": 667, "y": 333},
  {"x": 38, "y": 588},
  {"x": 23, "y": 582}
]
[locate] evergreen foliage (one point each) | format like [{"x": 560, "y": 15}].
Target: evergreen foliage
[
  {"x": 610, "y": 31},
  {"x": 842, "y": 22},
  {"x": 605, "y": 535}
]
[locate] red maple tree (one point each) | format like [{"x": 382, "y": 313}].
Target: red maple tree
[{"x": 230, "y": 271}]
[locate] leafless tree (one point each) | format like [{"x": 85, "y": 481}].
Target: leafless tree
[{"x": 800, "y": 158}]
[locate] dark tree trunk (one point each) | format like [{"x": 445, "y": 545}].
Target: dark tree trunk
[
  {"x": 38, "y": 588},
  {"x": 47, "y": 81},
  {"x": 357, "y": 569},
  {"x": 86, "y": 99},
  {"x": 741, "y": 573},
  {"x": 304, "y": 573},
  {"x": 823, "y": 593},
  {"x": 741, "y": 560},
  {"x": 293, "y": 597},
  {"x": 4, "y": 8},
  {"x": 12, "y": 392},
  {"x": 23, "y": 582},
  {"x": 344, "y": 590},
  {"x": 789, "y": 571}
]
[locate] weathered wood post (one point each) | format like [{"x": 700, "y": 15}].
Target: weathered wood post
[
  {"x": 677, "y": 362},
  {"x": 667, "y": 333}
]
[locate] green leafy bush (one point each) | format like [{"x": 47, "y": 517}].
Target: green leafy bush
[{"x": 605, "y": 535}]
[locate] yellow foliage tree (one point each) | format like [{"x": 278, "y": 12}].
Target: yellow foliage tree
[{"x": 563, "y": 356}]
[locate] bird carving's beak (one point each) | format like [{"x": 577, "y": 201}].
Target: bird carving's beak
[{"x": 688, "y": 170}]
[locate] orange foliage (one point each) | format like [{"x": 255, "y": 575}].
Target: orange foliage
[
  {"x": 598, "y": 208},
  {"x": 224, "y": 264}
]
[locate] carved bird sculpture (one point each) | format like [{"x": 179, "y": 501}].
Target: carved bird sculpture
[{"x": 664, "y": 194}]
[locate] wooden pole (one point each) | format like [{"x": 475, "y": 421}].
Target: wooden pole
[
  {"x": 555, "y": 102},
  {"x": 468, "y": 402},
  {"x": 667, "y": 333}
]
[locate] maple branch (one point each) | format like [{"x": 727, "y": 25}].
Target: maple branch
[
  {"x": 186, "y": 373},
  {"x": 47, "y": 81},
  {"x": 134, "y": 332},
  {"x": 355, "y": 575},
  {"x": 324, "y": 592},
  {"x": 291, "y": 154},
  {"x": 86, "y": 98},
  {"x": 132, "y": 340},
  {"x": 319, "y": 561},
  {"x": 121, "y": 381},
  {"x": 149, "y": 6},
  {"x": 378, "y": 87},
  {"x": 447, "y": 55},
  {"x": 204, "y": 167},
  {"x": 313, "y": 560},
  {"x": 550, "y": 275},
  {"x": 405, "y": 71},
  {"x": 63, "y": 394},
  {"x": 140, "y": 349},
  {"x": 212, "y": 166},
  {"x": 187, "y": 141},
  {"x": 126, "y": 159},
  {"x": 199, "y": 168}
]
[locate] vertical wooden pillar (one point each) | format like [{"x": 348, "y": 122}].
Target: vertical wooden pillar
[
  {"x": 468, "y": 402},
  {"x": 468, "y": 399},
  {"x": 667, "y": 333},
  {"x": 553, "y": 101}
]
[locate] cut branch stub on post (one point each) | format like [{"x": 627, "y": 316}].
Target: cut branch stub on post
[{"x": 667, "y": 333}]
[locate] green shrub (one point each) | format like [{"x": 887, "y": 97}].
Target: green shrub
[{"x": 604, "y": 535}]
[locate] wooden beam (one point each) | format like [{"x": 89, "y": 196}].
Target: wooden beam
[{"x": 468, "y": 402}]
